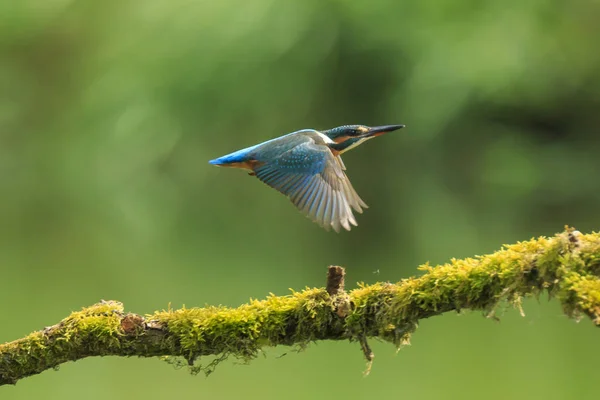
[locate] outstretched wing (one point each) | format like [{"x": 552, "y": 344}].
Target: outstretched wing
[{"x": 314, "y": 180}]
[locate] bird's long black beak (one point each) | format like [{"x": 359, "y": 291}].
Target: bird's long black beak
[{"x": 380, "y": 130}]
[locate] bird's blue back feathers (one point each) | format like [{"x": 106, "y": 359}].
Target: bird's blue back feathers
[{"x": 242, "y": 155}]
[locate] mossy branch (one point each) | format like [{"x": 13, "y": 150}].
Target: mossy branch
[{"x": 567, "y": 266}]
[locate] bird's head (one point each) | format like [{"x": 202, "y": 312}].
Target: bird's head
[{"x": 350, "y": 136}]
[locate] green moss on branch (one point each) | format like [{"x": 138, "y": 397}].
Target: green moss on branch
[{"x": 566, "y": 265}]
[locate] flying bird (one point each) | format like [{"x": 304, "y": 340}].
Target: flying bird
[{"x": 306, "y": 166}]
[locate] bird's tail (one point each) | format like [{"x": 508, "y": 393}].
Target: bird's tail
[
  {"x": 240, "y": 156},
  {"x": 219, "y": 161}
]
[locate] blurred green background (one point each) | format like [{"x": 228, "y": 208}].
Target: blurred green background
[{"x": 110, "y": 110}]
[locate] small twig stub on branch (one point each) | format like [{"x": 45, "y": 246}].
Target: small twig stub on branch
[{"x": 335, "y": 280}]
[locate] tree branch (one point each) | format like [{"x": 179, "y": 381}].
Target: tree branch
[{"x": 567, "y": 266}]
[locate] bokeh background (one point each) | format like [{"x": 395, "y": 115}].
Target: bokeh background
[{"x": 110, "y": 110}]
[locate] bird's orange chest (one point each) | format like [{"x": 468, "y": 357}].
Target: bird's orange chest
[{"x": 334, "y": 152}]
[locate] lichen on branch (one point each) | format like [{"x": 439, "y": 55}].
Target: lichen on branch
[{"x": 567, "y": 266}]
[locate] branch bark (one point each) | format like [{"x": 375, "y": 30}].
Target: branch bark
[{"x": 567, "y": 266}]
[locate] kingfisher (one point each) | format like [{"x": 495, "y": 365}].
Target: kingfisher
[{"x": 306, "y": 166}]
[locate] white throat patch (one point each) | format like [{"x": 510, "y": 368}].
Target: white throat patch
[{"x": 357, "y": 143}]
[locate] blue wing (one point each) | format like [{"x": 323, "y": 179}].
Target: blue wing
[{"x": 314, "y": 180}]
